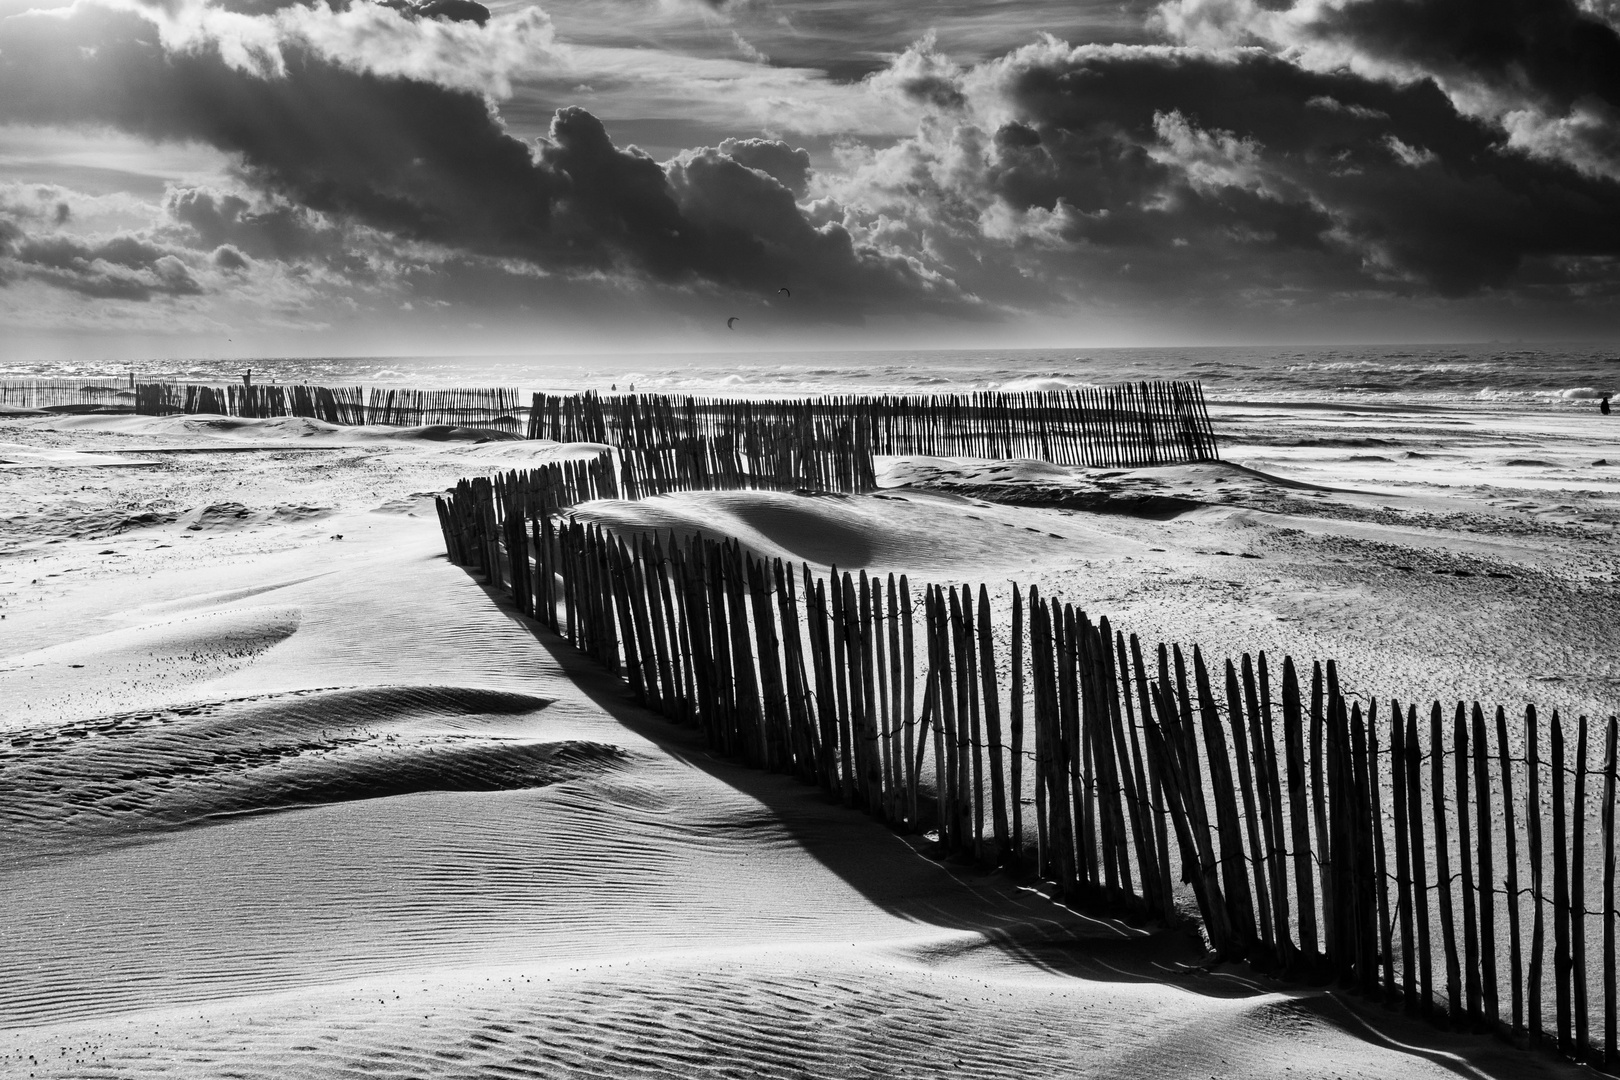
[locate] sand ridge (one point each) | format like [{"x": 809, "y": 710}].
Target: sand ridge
[
  {"x": 920, "y": 531},
  {"x": 139, "y": 666}
]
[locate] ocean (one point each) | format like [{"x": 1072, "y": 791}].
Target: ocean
[{"x": 1539, "y": 375}]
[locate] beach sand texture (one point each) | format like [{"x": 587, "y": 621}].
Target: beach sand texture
[{"x": 278, "y": 803}]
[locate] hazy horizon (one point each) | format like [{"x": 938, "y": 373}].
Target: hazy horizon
[{"x": 17, "y": 359}]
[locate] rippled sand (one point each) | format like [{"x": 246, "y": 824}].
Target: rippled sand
[{"x": 311, "y": 806}]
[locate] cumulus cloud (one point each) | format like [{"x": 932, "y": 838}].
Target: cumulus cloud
[
  {"x": 1546, "y": 72},
  {"x": 277, "y": 230},
  {"x": 1219, "y": 172},
  {"x": 229, "y": 257},
  {"x": 342, "y": 135},
  {"x": 710, "y": 216},
  {"x": 1262, "y": 154},
  {"x": 452, "y": 43},
  {"x": 120, "y": 267},
  {"x": 787, "y": 165}
]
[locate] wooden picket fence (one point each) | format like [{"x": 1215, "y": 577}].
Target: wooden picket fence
[
  {"x": 348, "y": 405},
  {"x": 1146, "y": 423},
  {"x": 1319, "y": 839},
  {"x": 812, "y": 453},
  {"x": 57, "y": 393},
  {"x": 686, "y": 442}
]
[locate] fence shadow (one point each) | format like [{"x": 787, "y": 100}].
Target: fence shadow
[
  {"x": 1317, "y": 837},
  {"x": 1015, "y": 916}
]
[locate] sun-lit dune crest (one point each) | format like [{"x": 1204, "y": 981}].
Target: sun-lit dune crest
[
  {"x": 899, "y": 471},
  {"x": 144, "y": 666},
  {"x": 1159, "y": 492},
  {"x": 448, "y": 433},
  {"x": 203, "y": 601},
  {"x": 137, "y": 772},
  {"x": 539, "y": 450},
  {"x": 851, "y": 532}
]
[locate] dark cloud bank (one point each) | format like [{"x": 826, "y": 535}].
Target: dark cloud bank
[
  {"x": 1250, "y": 154},
  {"x": 422, "y": 162},
  {"x": 1116, "y": 172}
]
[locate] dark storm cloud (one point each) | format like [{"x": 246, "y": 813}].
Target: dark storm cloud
[
  {"x": 752, "y": 226},
  {"x": 122, "y": 267},
  {"x": 408, "y": 156},
  {"x": 1546, "y": 73},
  {"x": 1122, "y": 175},
  {"x": 712, "y": 216},
  {"x": 424, "y": 162},
  {"x": 1551, "y": 48},
  {"x": 447, "y": 10},
  {"x": 227, "y": 257},
  {"x": 279, "y": 231},
  {"x": 1241, "y": 163}
]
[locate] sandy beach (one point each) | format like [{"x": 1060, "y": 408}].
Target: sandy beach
[
  {"x": 288, "y": 794},
  {"x": 774, "y": 538}
]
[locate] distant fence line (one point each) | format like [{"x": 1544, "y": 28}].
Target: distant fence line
[
  {"x": 1145, "y": 423},
  {"x": 1315, "y": 842},
  {"x": 47, "y": 393},
  {"x": 490, "y": 407},
  {"x": 498, "y": 407},
  {"x": 678, "y": 442}
]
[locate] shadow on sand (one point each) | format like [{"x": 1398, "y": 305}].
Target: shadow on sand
[{"x": 1017, "y": 920}]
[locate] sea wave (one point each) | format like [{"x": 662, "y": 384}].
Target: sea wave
[
  {"x": 1044, "y": 385},
  {"x": 1540, "y": 376}
]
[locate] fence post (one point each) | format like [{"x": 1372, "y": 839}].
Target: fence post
[
  {"x": 1442, "y": 864},
  {"x": 1298, "y": 801},
  {"x": 1561, "y": 954},
  {"x": 1533, "y": 825},
  {"x": 1511, "y": 853},
  {"x": 1487, "y": 885},
  {"x": 1017, "y": 723},
  {"x": 1577, "y": 898},
  {"x": 1609, "y": 958},
  {"x": 1399, "y": 797},
  {"x": 1465, "y": 849},
  {"x": 992, "y": 719}
]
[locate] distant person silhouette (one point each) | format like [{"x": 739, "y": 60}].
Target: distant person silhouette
[
  {"x": 614, "y": 388},
  {"x": 1603, "y": 406}
]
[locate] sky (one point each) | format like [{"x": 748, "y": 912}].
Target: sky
[{"x": 352, "y": 177}]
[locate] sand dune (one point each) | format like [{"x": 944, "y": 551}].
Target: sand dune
[
  {"x": 853, "y": 532},
  {"x": 136, "y": 667},
  {"x": 121, "y": 775},
  {"x": 668, "y": 913},
  {"x": 770, "y": 1012},
  {"x": 485, "y": 860}
]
